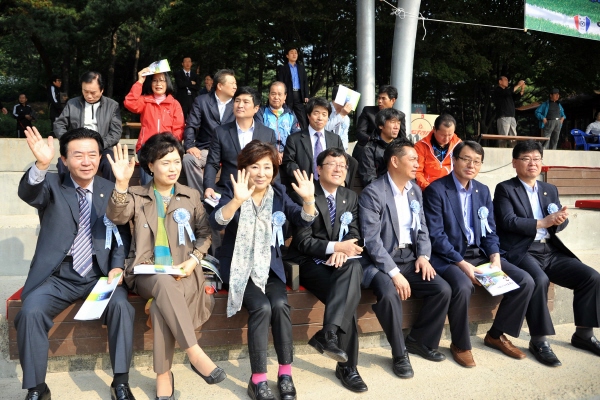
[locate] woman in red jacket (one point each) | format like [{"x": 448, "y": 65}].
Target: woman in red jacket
[{"x": 151, "y": 97}]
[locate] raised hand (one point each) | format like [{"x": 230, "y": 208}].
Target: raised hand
[
  {"x": 142, "y": 78},
  {"x": 43, "y": 150},
  {"x": 122, "y": 168},
  {"x": 305, "y": 187},
  {"x": 241, "y": 192}
]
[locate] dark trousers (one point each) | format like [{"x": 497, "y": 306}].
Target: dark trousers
[
  {"x": 104, "y": 168},
  {"x": 511, "y": 312},
  {"x": 339, "y": 290},
  {"x": 299, "y": 109},
  {"x": 546, "y": 264},
  {"x": 186, "y": 101},
  {"x": 427, "y": 328},
  {"x": 60, "y": 290},
  {"x": 264, "y": 309}
]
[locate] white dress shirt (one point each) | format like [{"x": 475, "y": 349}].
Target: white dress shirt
[
  {"x": 245, "y": 137},
  {"x": 313, "y": 138},
  {"x": 404, "y": 215},
  {"x": 536, "y": 208},
  {"x": 221, "y": 106}
]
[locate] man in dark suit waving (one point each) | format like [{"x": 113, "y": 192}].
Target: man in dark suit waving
[
  {"x": 529, "y": 216},
  {"x": 397, "y": 242},
  {"x": 71, "y": 255},
  {"x": 231, "y": 138},
  {"x": 322, "y": 250},
  {"x": 460, "y": 217},
  {"x": 208, "y": 112}
]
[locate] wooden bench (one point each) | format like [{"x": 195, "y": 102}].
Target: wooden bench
[
  {"x": 486, "y": 136},
  {"x": 69, "y": 337},
  {"x": 131, "y": 126},
  {"x": 573, "y": 180}
]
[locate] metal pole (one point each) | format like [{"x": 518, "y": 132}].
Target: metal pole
[
  {"x": 365, "y": 53},
  {"x": 403, "y": 53}
]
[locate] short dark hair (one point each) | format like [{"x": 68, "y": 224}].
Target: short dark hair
[
  {"x": 396, "y": 148},
  {"x": 318, "y": 102},
  {"x": 445, "y": 119},
  {"x": 476, "y": 147},
  {"x": 221, "y": 77},
  {"x": 147, "y": 85},
  {"x": 527, "y": 146},
  {"x": 385, "y": 115},
  {"x": 184, "y": 57},
  {"x": 255, "y": 151},
  {"x": 157, "y": 147},
  {"x": 331, "y": 152},
  {"x": 278, "y": 83},
  {"x": 289, "y": 48},
  {"x": 78, "y": 134},
  {"x": 391, "y": 91},
  {"x": 249, "y": 91},
  {"x": 55, "y": 78},
  {"x": 502, "y": 76},
  {"x": 90, "y": 76}
]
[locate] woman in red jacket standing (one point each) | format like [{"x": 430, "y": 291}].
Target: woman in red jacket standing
[{"x": 151, "y": 97}]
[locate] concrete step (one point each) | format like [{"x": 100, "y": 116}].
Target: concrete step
[{"x": 18, "y": 237}]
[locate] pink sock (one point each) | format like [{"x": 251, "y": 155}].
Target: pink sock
[
  {"x": 285, "y": 370},
  {"x": 258, "y": 378}
]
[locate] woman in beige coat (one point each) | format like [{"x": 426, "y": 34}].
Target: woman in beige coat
[{"x": 158, "y": 209}]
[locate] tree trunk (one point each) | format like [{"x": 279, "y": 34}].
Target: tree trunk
[
  {"x": 261, "y": 68},
  {"x": 66, "y": 69},
  {"x": 137, "y": 56},
  {"x": 111, "y": 66},
  {"x": 43, "y": 55}
]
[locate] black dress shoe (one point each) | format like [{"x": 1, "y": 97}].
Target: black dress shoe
[
  {"x": 37, "y": 395},
  {"x": 544, "y": 354},
  {"x": 592, "y": 344},
  {"x": 260, "y": 391},
  {"x": 217, "y": 375},
  {"x": 327, "y": 343},
  {"x": 415, "y": 347},
  {"x": 350, "y": 379},
  {"x": 121, "y": 392},
  {"x": 285, "y": 384},
  {"x": 402, "y": 367}
]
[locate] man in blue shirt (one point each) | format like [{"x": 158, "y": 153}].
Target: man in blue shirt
[
  {"x": 551, "y": 116},
  {"x": 296, "y": 82}
]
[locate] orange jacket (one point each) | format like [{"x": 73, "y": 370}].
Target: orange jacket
[
  {"x": 155, "y": 118},
  {"x": 430, "y": 167}
]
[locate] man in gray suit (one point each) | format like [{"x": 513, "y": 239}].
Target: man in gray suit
[
  {"x": 209, "y": 111},
  {"x": 397, "y": 242},
  {"x": 71, "y": 256}
]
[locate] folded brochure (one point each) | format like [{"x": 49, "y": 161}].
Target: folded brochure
[
  {"x": 157, "y": 67},
  {"x": 157, "y": 269},
  {"x": 494, "y": 280},
  {"x": 98, "y": 299},
  {"x": 346, "y": 95}
]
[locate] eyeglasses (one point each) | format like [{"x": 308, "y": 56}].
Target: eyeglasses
[
  {"x": 155, "y": 81},
  {"x": 333, "y": 165},
  {"x": 527, "y": 160},
  {"x": 470, "y": 161}
]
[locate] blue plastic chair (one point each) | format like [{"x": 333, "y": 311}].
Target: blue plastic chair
[{"x": 581, "y": 140}]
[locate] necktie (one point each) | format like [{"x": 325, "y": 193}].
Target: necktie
[
  {"x": 318, "y": 149},
  {"x": 187, "y": 74},
  {"x": 331, "y": 207},
  {"x": 82, "y": 246}
]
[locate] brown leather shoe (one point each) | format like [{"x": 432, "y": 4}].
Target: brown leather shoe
[
  {"x": 462, "y": 357},
  {"x": 504, "y": 345}
]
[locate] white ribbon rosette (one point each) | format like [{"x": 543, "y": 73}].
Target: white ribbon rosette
[
  {"x": 483, "y": 213},
  {"x": 345, "y": 220},
  {"x": 182, "y": 217},
  {"x": 111, "y": 229}
]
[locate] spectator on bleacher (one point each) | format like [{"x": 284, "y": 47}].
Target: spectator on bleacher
[
  {"x": 372, "y": 164},
  {"x": 397, "y": 243},
  {"x": 208, "y": 112},
  {"x": 339, "y": 122},
  {"x": 208, "y": 83},
  {"x": 24, "y": 115},
  {"x": 187, "y": 85},
  {"x": 94, "y": 111},
  {"x": 594, "y": 127},
  {"x": 253, "y": 209},
  {"x": 178, "y": 304},
  {"x": 504, "y": 97},
  {"x": 322, "y": 250},
  {"x": 54, "y": 102},
  {"x": 366, "y": 126},
  {"x": 151, "y": 97},
  {"x": 293, "y": 75},
  {"x": 551, "y": 116},
  {"x": 72, "y": 253},
  {"x": 278, "y": 116},
  {"x": 435, "y": 151},
  {"x": 529, "y": 215}
]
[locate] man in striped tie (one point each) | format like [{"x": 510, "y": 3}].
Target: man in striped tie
[
  {"x": 72, "y": 253},
  {"x": 323, "y": 251}
]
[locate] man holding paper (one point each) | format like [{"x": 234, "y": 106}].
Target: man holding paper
[
  {"x": 339, "y": 122},
  {"x": 460, "y": 217},
  {"x": 75, "y": 248},
  {"x": 529, "y": 216},
  {"x": 323, "y": 250}
]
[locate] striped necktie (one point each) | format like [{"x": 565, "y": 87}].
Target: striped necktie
[
  {"x": 331, "y": 207},
  {"x": 82, "y": 246},
  {"x": 318, "y": 149}
]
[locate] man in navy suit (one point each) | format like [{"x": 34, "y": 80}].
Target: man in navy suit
[
  {"x": 460, "y": 217},
  {"x": 397, "y": 242},
  {"x": 529, "y": 216},
  {"x": 231, "y": 138},
  {"x": 71, "y": 255},
  {"x": 208, "y": 112},
  {"x": 294, "y": 76}
]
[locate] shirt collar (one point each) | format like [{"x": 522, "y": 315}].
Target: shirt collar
[
  {"x": 460, "y": 187},
  {"x": 327, "y": 193},
  {"x": 312, "y": 132},
  {"x": 240, "y": 131},
  {"x": 395, "y": 189},
  {"x": 219, "y": 102},
  {"x": 90, "y": 186},
  {"x": 292, "y": 66},
  {"x": 530, "y": 189}
]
